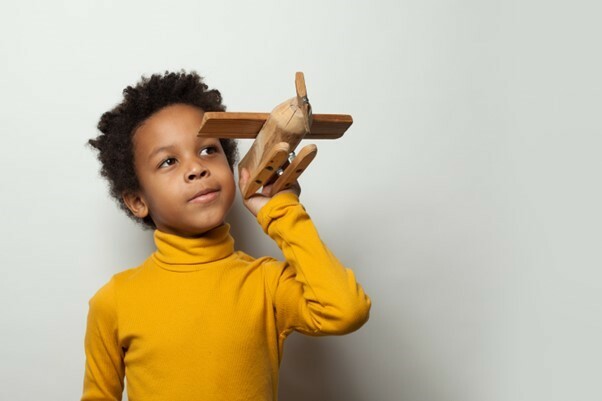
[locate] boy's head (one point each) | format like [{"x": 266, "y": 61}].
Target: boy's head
[{"x": 159, "y": 118}]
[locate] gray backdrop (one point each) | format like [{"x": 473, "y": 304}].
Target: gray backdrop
[{"x": 466, "y": 196}]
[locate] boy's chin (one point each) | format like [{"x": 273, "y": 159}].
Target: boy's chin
[
  {"x": 190, "y": 230},
  {"x": 200, "y": 231}
]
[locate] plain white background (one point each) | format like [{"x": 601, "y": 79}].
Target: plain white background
[{"x": 466, "y": 196}]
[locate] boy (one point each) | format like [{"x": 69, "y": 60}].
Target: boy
[{"x": 198, "y": 320}]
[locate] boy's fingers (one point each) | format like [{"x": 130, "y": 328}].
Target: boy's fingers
[{"x": 267, "y": 190}]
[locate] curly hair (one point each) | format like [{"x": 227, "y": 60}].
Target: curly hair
[{"x": 117, "y": 126}]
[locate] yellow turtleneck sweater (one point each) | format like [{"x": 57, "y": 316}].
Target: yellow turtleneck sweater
[{"x": 200, "y": 321}]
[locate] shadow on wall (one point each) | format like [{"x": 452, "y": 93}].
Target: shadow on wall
[{"x": 313, "y": 369}]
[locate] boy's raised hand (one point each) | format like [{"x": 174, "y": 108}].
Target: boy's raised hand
[{"x": 258, "y": 200}]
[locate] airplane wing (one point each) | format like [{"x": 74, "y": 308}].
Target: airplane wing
[{"x": 247, "y": 125}]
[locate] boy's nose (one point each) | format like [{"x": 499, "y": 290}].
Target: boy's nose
[{"x": 196, "y": 171}]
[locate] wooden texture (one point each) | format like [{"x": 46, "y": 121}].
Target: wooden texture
[
  {"x": 247, "y": 125},
  {"x": 300, "y": 86},
  {"x": 292, "y": 172},
  {"x": 273, "y": 160},
  {"x": 285, "y": 124}
]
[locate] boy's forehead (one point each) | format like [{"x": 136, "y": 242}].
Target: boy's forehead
[
  {"x": 170, "y": 125},
  {"x": 176, "y": 116}
]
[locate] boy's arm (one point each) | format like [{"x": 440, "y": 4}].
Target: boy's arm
[
  {"x": 104, "y": 358},
  {"x": 315, "y": 293}
]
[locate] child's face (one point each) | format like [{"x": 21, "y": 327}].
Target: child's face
[{"x": 187, "y": 186}]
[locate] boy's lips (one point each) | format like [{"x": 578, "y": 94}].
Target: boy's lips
[{"x": 204, "y": 196}]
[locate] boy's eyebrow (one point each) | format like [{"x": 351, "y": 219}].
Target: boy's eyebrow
[
  {"x": 159, "y": 150},
  {"x": 172, "y": 147}
]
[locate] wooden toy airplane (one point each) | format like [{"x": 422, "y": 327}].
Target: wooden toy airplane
[{"x": 271, "y": 158}]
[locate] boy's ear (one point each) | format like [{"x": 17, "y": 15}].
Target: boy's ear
[{"x": 136, "y": 203}]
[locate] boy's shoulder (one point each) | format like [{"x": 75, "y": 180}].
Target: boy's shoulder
[
  {"x": 107, "y": 291},
  {"x": 126, "y": 275}
]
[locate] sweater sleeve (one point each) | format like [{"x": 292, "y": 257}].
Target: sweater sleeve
[
  {"x": 103, "y": 380},
  {"x": 315, "y": 294}
]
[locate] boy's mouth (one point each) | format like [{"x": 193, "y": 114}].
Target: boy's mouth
[{"x": 204, "y": 196}]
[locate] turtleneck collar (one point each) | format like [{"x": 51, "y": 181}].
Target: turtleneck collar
[{"x": 189, "y": 254}]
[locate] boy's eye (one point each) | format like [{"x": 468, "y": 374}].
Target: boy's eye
[
  {"x": 168, "y": 162},
  {"x": 209, "y": 150}
]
